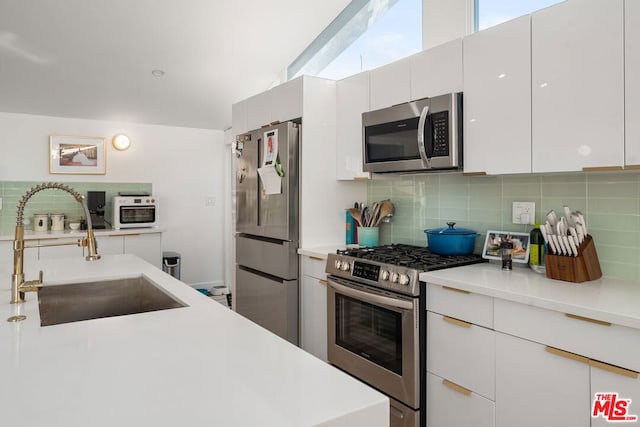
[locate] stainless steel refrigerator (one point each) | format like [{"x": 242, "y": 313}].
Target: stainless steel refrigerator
[{"x": 267, "y": 188}]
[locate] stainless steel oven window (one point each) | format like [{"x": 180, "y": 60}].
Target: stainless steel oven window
[
  {"x": 371, "y": 331},
  {"x": 137, "y": 214}
]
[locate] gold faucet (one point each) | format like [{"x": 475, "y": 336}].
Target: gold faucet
[{"x": 19, "y": 286}]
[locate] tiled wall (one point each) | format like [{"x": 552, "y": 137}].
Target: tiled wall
[
  {"x": 53, "y": 201},
  {"x": 610, "y": 202}
]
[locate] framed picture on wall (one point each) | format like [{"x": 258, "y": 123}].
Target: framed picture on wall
[
  {"x": 495, "y": 238},
  {"x": 85, "y": 155}
]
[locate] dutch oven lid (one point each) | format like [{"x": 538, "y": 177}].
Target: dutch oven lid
[{"x": 450, "y": 230}]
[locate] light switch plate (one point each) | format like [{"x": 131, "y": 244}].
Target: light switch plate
[{"x": 524, "y": 213}]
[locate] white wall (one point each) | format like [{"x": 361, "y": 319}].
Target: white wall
[{"x": 185, "y": 166}]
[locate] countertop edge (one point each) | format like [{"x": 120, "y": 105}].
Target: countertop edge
[{"x": 33, "y": 235}]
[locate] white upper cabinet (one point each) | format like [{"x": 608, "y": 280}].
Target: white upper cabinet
[
  {"x": 239, "y": 117},
  {"x": 282, "y": 103},
  {"x": 437, "y": 71},
  {"x": 632, "y": 84},
  {"x": 391, "y": 84},
  {"x": 497, "y": 99},
  {"x": 352, "y": 99},
  {"x": 578, "y": 86},
  {"x": 286, "y": 101}
]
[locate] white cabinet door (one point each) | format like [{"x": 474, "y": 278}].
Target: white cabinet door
[
  {"x": 286, "y": 101},
  {"x": 55, "y": 252},
  {"x": 146, "y": 246},
  {"x": 535, "y": 387},
  {"x": 577, "y": 86},
  {"x": 449, "y": 405},
  {"x": 313, "y": 306},
  {"x": 391, "y": 84},
  {"x": 497, "y": 99},
  {"x": 607, "y": 379},
  {"x": 239, "y": 118},
  {"x": 437, "y": 71},
  {"x": 352, "y": 99},
  {"x": 632, "y": 83},
  {"x": 313, "y": 316},
  {"x": 258, "y": 110},
  {"x": 461, "y": 352},
  {"x": 110, "y": 245}
]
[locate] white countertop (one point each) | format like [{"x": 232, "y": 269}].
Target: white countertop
[
  {"x": 610, "y": 300},
  {"x": 323, "y": 251},
  {"x": 198, "y": 365}
]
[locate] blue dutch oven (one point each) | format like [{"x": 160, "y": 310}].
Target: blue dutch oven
[{"x": 450, "y": 240}]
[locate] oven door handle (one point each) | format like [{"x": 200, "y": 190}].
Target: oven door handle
[{"x": 368, "y": 297}]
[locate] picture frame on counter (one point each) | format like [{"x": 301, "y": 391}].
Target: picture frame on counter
[
  {"x": 77, "y": 155},
  {"x": 494, "y": 238}
]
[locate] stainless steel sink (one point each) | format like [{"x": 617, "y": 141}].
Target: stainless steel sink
[{"x": 93, "y": 300}]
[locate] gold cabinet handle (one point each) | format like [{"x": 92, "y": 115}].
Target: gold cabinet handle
[
  {"x": 603, "y": 169},
  {"x": 361, "y": 178},
  {"x": 631, "y": 167},
  {"x": 323, "y": 282},
  {"x": 587, "y": 319},
  {"x": 615, "y": 369},
  {"x": 455, "y": 321},
  {"x": 456, "y": 290},
  {"x": 567, "y": 355},
  {"x": 479, "y": 173},
  {"x": 455, "y": 387},
  {"x": 126, "y": 235},
  {"x": 316, "y": 258}
]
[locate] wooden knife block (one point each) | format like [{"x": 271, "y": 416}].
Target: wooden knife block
[{"x": 578, "y": 269}]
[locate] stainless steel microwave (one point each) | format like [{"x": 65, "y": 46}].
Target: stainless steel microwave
[{"x": 421, "y": 135}]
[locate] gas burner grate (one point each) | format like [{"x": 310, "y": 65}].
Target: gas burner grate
[{"x": 416, "y": 257}]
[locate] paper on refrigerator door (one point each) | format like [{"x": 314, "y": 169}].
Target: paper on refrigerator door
[
  {"x": 270, "y": 147},
  {"x": 271, "y": 181}
]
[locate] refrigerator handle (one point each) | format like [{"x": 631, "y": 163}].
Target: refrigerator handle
[{"x": 259, "y": 189}]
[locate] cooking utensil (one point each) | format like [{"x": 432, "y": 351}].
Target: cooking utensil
[
  {"x": 355, "y": 213},
  {"x": 386, "y": 208},
  {"x": 450, "y": 240}
]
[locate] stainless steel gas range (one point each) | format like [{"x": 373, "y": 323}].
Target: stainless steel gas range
[{"x": 376, "y": 320}]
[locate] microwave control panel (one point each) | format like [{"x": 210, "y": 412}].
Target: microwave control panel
[{"x": 440, "y": 130}]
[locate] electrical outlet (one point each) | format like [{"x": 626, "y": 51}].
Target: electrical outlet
[
  {"x": 210, "y": 201},
  {"x": 524, "y": 213}
]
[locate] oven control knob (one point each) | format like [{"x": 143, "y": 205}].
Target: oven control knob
[
  {"x": 394, "y": 277},
  {"x": 384, "y": 275},
  {"x": 345, "y": 266},
  {"x": 403, "y": 279},
  {"x": 338, "y": 264}
]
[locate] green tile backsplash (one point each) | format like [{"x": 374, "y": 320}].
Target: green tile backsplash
[
  {"x": 610, "y": 202},
  {"x": 53, "y": 201}
]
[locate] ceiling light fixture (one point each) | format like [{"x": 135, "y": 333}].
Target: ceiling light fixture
[
  {"x": 157, "y": 73},
  {"x": 121, "y": 142}
]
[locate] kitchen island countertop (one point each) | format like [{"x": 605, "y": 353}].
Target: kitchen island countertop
[
  {"x": 610, "y": 300},
  {"x": 197, "y": 365}
]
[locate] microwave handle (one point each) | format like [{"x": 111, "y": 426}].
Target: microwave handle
[{"x": 423, "y": 154}]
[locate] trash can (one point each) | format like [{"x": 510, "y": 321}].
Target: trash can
[{"x": 171, "y": 263}]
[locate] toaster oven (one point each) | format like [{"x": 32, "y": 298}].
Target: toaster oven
[{"x": 134, "y": 212}]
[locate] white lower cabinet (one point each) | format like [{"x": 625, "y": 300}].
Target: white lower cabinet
[
  {"x": 450, "y": 405},
  {"x": 539, "y": 386},
  {"x": 146, "y": 246},
  {"x": 313, "y": 307},
  {"x": 55, "y": 252},
  {"x": 607, "y": 379},
  {"x": 110, "y": 245},
  {"x": 6, "y": 255}
]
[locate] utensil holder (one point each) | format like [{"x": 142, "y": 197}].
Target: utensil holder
[
  {"x": 368, "y": 236},
  {"x": 581, "y": 268}
]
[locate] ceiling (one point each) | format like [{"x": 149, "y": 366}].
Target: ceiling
[{"x": 93, "y": 59}]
